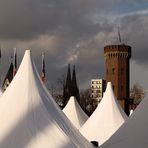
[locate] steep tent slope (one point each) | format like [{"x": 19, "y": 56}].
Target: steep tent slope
[
  {"x": 105, "y": 120},
  {"x": 75, "y": 113},
  {"x": 134, "y": 132},
  {"x": 29, "y": 118},
  {"x": 1, "y": 92}
]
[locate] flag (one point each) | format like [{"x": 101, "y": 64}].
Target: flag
[
  {"x": 43, "y": 68},
  {"x": 8, "y": 77},
  {"x": 14, "y": 62}
]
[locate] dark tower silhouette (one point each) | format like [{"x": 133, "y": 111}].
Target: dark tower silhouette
[
  {"x": 67, "y": 87},
  {"x": 117, "y": 71},
  {"x": 75, "y": 89},
  {"x": 70, "y": 87}
]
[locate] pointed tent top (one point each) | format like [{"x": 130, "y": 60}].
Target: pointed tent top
[
  {"x": 32, "y": 116},
  {"x": 107, "y": 118},
  {"x": 134, "y": 132},
  {"x": 75, "y": 113},
  {"x": 131, "y": 112}
]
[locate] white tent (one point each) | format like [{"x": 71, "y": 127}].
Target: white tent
[
  {"x": 134, "y": 132},
  {"x": 1, "y": 92},
  {"x": 105, "y": 120},
  {"x": 75, "y": 113},
  {"x": 29, "y": 118},
  {"x": 131, "y": 112}
]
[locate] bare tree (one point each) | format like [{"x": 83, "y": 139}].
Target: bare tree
[
  {"x": 137, "y": 94},
  {"x": 52, "y": 89},
  {"x": 86, "y": 101},
  {"x": 56, "y": 90}
]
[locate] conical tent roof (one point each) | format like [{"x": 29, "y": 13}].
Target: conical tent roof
[
  {"x": 1, "y": 92},
  {"x": 75, "y": 113},
  {"x": 134, "y": 132},
  {"x": 105, "y": 120},
  {"x": 29, "y": 116}
]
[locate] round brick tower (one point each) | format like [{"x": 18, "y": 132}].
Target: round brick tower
[{"x": 117, "y": 72}]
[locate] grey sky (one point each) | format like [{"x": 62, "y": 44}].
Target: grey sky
[{"x": 74, "y": 31}]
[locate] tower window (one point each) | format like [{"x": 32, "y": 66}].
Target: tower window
[
  {"x": 113, "y": 70},
  {"x": 122, "y": 70},
  {"x": 113, "y": 87}
]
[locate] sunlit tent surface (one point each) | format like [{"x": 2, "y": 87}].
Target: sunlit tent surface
[
  {"x": 134, "y": 132},
  {"x": 75, "y": 113},
  {"x": 105, "y": 120},
  {"x": 29, "y": 118},
  {"x": 1, "y": 92}
]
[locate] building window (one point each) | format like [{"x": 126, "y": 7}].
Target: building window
[
  {"x": 113, "y": 87},
  {"x": 113, "y": 70},
  {"x": 97, "y": 91},
  {"x": 122, "y": 70}
]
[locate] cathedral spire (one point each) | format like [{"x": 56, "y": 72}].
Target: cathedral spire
[
  {"x": 68, "y": 78},
  {"x": 67, "y": 87},
  {"x": 75, "y": 89}
]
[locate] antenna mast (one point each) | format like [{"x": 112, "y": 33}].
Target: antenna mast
[{"x": 119, "y": 36}]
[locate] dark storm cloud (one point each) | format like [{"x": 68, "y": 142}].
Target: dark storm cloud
[
  {"x": 68, "y": 31},
  {"x": 135, "y": 33},
  {"x": 27, "y": 19}
]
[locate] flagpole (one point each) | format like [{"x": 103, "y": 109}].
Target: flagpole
[
  {"x": 14, "y": 62},
  {"x": 43, "y": 67},
  {"x": 119, "y": 35}
]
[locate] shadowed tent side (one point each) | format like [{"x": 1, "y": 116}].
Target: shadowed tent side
[
  {"x": 106, "y": 119},
  {"x": 29, "y": 116}
]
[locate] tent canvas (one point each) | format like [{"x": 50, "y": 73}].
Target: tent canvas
[
  {"x": 1, "y": 92},
  {"x": 105, "y": 120},
  {"x": 29, "y": 116},
  {"x": 134, "y": 132},
  {"x": 75, "y": 113}
]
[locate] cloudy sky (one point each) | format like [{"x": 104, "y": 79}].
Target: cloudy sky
[{"x": 75, "y": 32}]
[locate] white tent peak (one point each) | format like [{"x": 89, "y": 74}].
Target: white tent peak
[
  {"x": 134, "y": 132},
  {"x": 75, "y": 113},
  {"x": 131, "y": 112},
  {"x": 106, "y": 119},
  {"x": 30, "y": 118}
]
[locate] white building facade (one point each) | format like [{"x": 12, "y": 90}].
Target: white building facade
[{"x": 97, "y": 89}]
